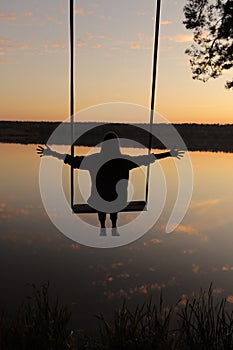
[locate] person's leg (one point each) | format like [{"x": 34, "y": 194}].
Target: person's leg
[
  {"x": 102, "y": 218},
  {"x": 113, "y": 217}
]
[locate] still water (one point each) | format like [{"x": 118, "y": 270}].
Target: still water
[{"x": 91, "y": 280}]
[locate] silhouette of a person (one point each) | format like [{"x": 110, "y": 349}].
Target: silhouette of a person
[{"x": 107, "y": 169}]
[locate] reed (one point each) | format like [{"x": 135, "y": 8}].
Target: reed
[
  {"x": 202, "y": 323},
  {"x": 205, "y": 323},
  {"x": 146, "y": 327},
  {"x": 39, "y": 324}
]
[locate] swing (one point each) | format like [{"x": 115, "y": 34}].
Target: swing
[{"x": 133, "y": 206}]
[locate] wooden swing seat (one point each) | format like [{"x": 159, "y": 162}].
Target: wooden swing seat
[{"x": 131, "y": 207}]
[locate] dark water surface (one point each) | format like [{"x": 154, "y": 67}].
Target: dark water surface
[{"x": 93, "y": 280}]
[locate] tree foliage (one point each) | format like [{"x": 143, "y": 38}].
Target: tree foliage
[{"x": 212, "y": 51}]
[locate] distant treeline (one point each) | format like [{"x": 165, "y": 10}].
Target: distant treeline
[{"x": 197, "y": 137}]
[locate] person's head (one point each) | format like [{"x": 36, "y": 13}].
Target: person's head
[{"x": 113, "y": 146}]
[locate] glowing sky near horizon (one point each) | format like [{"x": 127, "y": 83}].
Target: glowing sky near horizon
[{"x": 114, "y": 42}]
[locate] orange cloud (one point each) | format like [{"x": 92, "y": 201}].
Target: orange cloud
[
  {"x": 52, "y": 19},
  {"x": 152, "y": 241},
  {"x": 181, "y": 38},
  {"x": 81, "y": 43},
  {"x": 189, "y": 230},
  {"x": 165, "y": 22},
  {"x": 11, "y": 16},
  {"x": 141, "y": 13},
  {"x": 140, "y": 36},
  {"x": 96, "y": 46},
  {"x": 206, "y": 203},
  {"x": 78, "y": 11},
  {"x": 4, "y": 40},
  {"x": 57, "y": 44},
  {"x": 135, "y": 46}
]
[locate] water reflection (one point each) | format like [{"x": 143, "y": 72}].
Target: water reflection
[{"x": 32, "y": 250}]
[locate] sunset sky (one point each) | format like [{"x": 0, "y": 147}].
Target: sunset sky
[{"x": 114, "y": 41}]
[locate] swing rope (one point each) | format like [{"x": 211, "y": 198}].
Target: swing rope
[
  {"x": 154, "y": 76},
  {"x": 72, "y": 92},
  {"x": 72, "y": 96}
]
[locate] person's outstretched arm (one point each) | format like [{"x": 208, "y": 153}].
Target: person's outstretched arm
[
  {"x": 176, "y": 153},
  {"x": 68, "y": 159},
  {"x": 47, "y": 151}
]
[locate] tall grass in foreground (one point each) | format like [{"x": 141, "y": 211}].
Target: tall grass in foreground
[
  {"x": 202, "y": 323},
  {"x": 206, "y": 323},
  {"x": 38, "y": 324}
]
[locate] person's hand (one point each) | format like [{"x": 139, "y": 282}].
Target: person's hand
[
  {"x": 44, "y": 151},
  {"x": 176, "y": 153}
]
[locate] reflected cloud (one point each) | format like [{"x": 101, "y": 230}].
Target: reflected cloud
[
  {"x": 183, "y": 300},
  {"x": 227, "y": 268},
  {"x": 75, "y": 246},
  {"x": 195, "y": 268},
  {"x": 230, "y": 299},
  {"x": 152, "y": 242},
  {"x": 152, "y": 269},
  {"x": 123, "y": 275},
  {"x": 116, "y": 265},
  {"x": 217, "y": 291},
  {"x": 7, "y": 213},
  {"x": 189, "y": 251}
]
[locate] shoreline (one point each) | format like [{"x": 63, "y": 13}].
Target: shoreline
[{"x": 197, "y": 137}]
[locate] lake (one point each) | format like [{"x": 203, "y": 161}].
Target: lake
[{"x": 91, "y": 280}]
